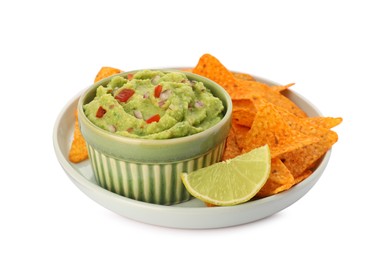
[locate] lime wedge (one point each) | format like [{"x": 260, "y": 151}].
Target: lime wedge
[{"x": 230, "y": 182}]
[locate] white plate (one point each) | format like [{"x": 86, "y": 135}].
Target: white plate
[{"x": 192, "y": 214}]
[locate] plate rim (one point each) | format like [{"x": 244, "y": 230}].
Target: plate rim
[{"x": 176, "y": 216}]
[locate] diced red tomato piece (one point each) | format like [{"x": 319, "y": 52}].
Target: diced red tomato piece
[
  {"x": 124, "y": 95},
  {"x": 130, "y": 76},
  {"x": 100, "y": 112},
  {"x": 157, "y": 91},
  {"x": 154, "y": 118}
]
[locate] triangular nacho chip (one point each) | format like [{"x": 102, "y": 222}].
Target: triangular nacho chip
[
  {"x": 243, "y": 76},
  {"x": 280, "y": 179},
  {"x": 282, "y": 87},
  {"x": 105, "y": 72},
  {"x": 302, "y": 176},
  {"x": 240, "y": 133},
  {"x": 269, "y": 127},
  {"x": 210, "y": 67},
  {"x": 258, "y": 91},
  {"x": 325, "y": 122},
  {"x": 244, "y": 112},
  {"x": 231, "y": 149},
  {"x": 302, "y": 159},
  {"x": 78, "y": 150}
]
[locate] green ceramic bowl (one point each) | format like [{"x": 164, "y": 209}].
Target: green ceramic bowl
[{"x": 148, "y": 170}]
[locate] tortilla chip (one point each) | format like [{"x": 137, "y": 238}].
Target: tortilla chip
[
  {"x": 106, "y": 72},
  {"x": 240, "y": 133},
  {"x": 244, "y": 112},
  {"x": 280, "y": 179},
  {"x": 259, "y": 91},
  {"x": 303, "y": 176},
  {"x": 231, "y": 150},
  {"x": 281, "y": 88},
  {"x": 78, "y": 150},
  {"x": 210, "y": 67},
  {"x": 325, "y": 122},
  {"x": 309, "y": 125},
  {"x": 243, "y": 76},
  {"x": 269, "y": 127},
  {"x": 304, "y": 158}
]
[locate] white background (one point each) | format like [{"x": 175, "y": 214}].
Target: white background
[{"x": 337, "y": 53}]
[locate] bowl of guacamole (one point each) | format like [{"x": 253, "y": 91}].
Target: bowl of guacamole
[{"x": 143, "y": 128}]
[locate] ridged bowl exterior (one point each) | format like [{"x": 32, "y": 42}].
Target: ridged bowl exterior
[{"x": 157, "y": 183}]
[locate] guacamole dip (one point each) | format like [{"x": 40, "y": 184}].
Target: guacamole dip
[{"x": 154, "y": 105}]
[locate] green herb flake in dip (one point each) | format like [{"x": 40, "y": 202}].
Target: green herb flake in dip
[{"x": 154, "y": 105}]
